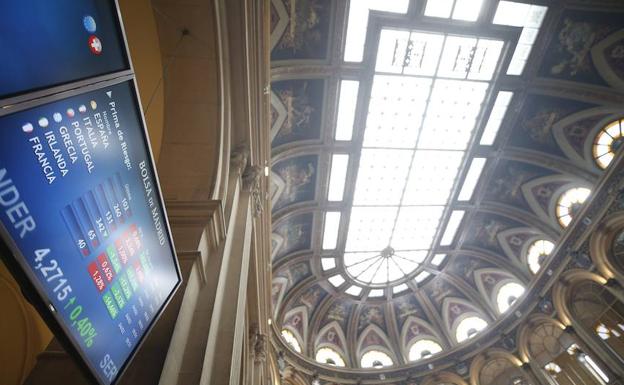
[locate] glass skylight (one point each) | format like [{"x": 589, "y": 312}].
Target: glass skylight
[
  {"x": 347, "y": 103},
  {"x": 422, "y": 276},
  {"x": 291, "y": 340},
  {"x": 400, "y": 288},
  {"x": 474, "y": 173},
  {"x": 469, "y": 327},
  {"x": 338, "y": 176},
  {"x": 427, "y": 94},
  {"x": 336, "y": 280},
  {"x": 496, "y": 118},
  {"x": 530, "y": 18},
  {"x": 467, "y": 10},
  {"x": 354, "y": 290},
  {"x": 330, "y": 234},
  {"x": 375, "y": 359},
  {"x": 328, "y": 263},
  {"x": 376, "y": 293},
  {"x": 358, "y": 23},
  {"x": 423, "y": 349},
  {"x": 452, "y": 227},
  {"x": 438, "y": 259}
]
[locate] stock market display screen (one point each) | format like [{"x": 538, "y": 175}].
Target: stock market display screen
[{"x": 81, "y": 209}]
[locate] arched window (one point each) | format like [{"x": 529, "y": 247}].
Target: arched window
[
  {"x": 607, "y": 142},
  {"x": 291, "y": 340},
  {"x": 469, "y": 327},
  {"x": 507, "y": 295},
  {"x": 557, "y": 353},
  {"x": 375, "y": 359},
  {"x": 601, "y": 313},
  {"x": 423, "y": 349},
  {"x": 537, "y": 254},
  {"x": 329, "y": 356},
  {"x": 570, "y": 202}
]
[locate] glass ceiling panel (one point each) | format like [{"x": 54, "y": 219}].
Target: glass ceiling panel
[
  {"x": 416, "y": 227},
  {"x": 381, "y": 177},
  {"x": 417, "y": 133},
  {"x": 330, "y": 233},
  {"x": 370, "y": 228},
  {"x": 396, "y": 108},
  {"x": 496, "y": 118},
  {"x": 358, "y": 23},
  {"x": 474, "y": 173},
  {"x": 530, "y": 18},
  {"x": 432, "y": 176},
  {"x": 338, "y": 176},
  {"x": 347, "y": 103},
  {"x": 439, "y": 8},
  {"x": 467, "y": 10}
]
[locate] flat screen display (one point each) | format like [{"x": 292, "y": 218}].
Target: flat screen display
[
  {"x": 80, "y": 207},
  {"x": 45, "y": 43}
]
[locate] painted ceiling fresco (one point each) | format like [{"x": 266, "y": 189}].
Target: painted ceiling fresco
[{"x": 571, "y": 88}]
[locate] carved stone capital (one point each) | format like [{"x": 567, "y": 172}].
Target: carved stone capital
[
  {"x": 251, "y": 182},
  {"x": 258, "y": 344},
  {"x": 239, "y": 158}
]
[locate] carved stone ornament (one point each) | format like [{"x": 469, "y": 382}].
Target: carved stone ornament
[
  {"x": 251, "y": 182},
  {"x": 259, "y": 345},
  {"x": 239, "y": 157}
]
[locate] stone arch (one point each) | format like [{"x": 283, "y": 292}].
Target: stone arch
[
  {"x": 602, "y": 250},
  {"x": 444, "y": 378},
  {"x": 496, "y": 367},
  {"x": 409, "y": 337},
  {"x": 373, "y": 338}
]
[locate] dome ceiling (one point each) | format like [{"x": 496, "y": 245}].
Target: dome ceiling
[{"x": 417, "y": 188}]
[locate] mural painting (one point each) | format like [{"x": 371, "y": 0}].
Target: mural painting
[
  {"x": 297, "y": 177},
  {"x": 295, "y": 233},
  {"x": 569, "y": 56},
  {"x": 300, "y": 29},
  {"x": 296, "y": 110},
  {"x": 535, "y": 131},
  {"x": 485, "y": 228},
  {"x": 507, "y": 180},
  {"x": 372, "y": 314}
]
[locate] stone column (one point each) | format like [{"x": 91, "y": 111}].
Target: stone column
[{"x": 222, "y": 361}]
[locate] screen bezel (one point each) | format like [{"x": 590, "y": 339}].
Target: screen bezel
[
  {"x": 31, "y": 286},
  {"x": 39, "y": 92}
]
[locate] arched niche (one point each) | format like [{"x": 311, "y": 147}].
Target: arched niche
[
  {"x": 557, "y": 356},
  {"x": 498, "y": 367},
  {"x": 444, "y": 378},
  {"x": 596, "y": 314},
  {"x": 606, "y": 247}
]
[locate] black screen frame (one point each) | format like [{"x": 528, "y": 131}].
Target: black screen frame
[
  {"x": 29, "y": 284},
  {"x": 35, "y": 93}
]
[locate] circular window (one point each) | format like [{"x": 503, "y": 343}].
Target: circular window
[
  {"x": 423, "y": 349},
  {"x": 375, "y": 359},
  {"x": 570, "y": 203},
  {"x": 537, "y": 254},
  {"x": 469, "y": 327},
  {"x": 291, "y": 340},
  {"x": 607, "y": 143},
  {"x": 329, "y": 356},
  {"x": 507, "y": 295}
]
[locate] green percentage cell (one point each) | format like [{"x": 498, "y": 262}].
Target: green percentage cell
[
  {"x": 112, "y": 255},
  {"x": 147, "y": 266},
  {"x": 125, "y": 286},
  {"x": 118, "y": 294},
  {"x": 132, "y": 278},
  {"x": 110, "y": 305}
]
